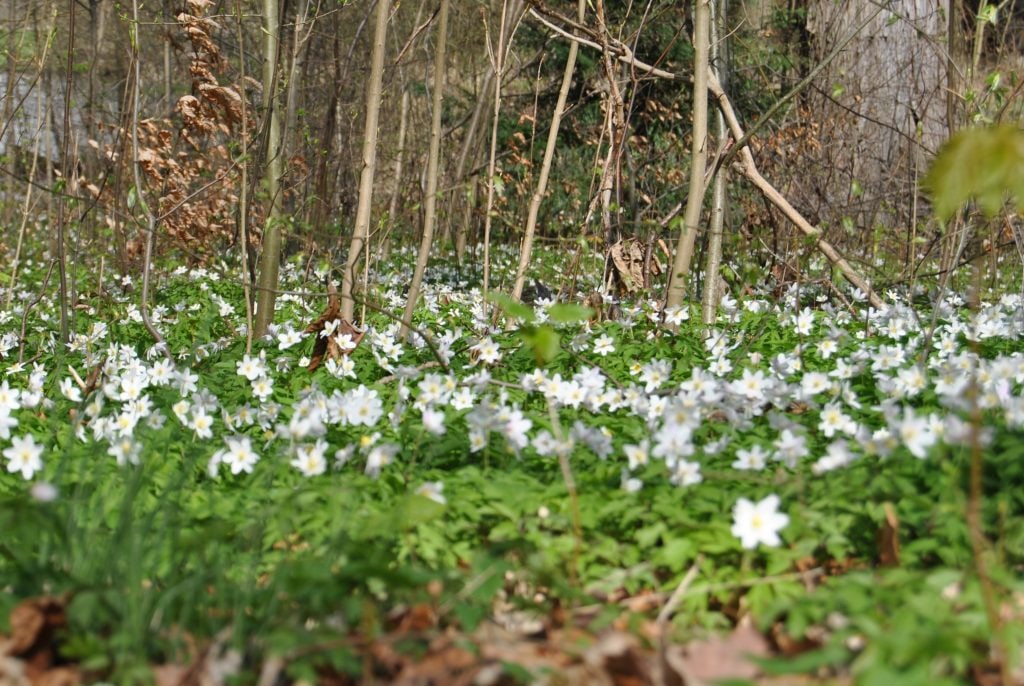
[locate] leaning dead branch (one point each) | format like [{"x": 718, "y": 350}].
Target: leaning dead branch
[{"x": 746, "y": 163}]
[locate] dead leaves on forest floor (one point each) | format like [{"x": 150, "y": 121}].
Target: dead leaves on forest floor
[{"x": 417, "y": 650}]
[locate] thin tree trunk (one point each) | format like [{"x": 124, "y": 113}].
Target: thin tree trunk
[
  {"x": 67, "y": 171},
  {"x": 712, "y": 296},
  {"x": 270, "y": 261},
  {"x": 549, "y": 153},
  {"x": 396, "y": 192},
  {"x": 430, "y": 207},
  {"x": 304, "y": 26},
  {"x": 361, "y": 232},
  {"x": 679, "y": 275},
  {"x": 468, "y": 144},
  {"x": 498, "y": 58},
  {"x": 611, "y": 175},
  {"x": 243, "y": 185}
]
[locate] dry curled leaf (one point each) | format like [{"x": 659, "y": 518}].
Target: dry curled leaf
[{"x": 327, "y": 327}]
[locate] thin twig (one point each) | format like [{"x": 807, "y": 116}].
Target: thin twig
[{"x": 28, "y": 308}]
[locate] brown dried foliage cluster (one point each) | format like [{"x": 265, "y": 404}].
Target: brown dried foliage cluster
[
  {"x": 191, "y": 169},
  {"x": 187, "y": 165}
]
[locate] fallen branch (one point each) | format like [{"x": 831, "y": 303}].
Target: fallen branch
[{"x": 748, "y": 168}]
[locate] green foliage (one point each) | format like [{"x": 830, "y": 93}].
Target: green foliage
[{"x": 986, "y": 164}]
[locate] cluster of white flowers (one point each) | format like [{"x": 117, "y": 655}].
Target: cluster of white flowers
[{"x": 812, "y": 396}]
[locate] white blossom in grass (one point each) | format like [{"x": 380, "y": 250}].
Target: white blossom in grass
[
  {"x": 833, "y": 419},
  {"x": 758, "y": 523},
  {"x": 186, "y": 380},
  {"x": 838, "y": 454},
  {"x": 7, "y": 422},
  {"x": 24, "y": 455},
  {"x": 604, "y": 344},
  {"x": 915, "y": 433},
  {"x": 720, "y": 366},
  {"x": 515, "y": 428},
  {"x": 881, "y": 442},
  {"x": 239, "y": 455},
  {"x": 343, "y": 455},
  {"x": 156, "y": 420},
  {"x": 180, "y": 410},
  {"x": 790, "y": 448},
  {"x": 686, "y": 473},
  {"x": 161, "y": 373},
  {"x": 380, "y": 456},
  {"x": 804, "y": 321},
  {"x": 433, "y": 421},
  {"x": 70, "y": 390},
  {"x": 329, "y": 328},
  {"x": 44, "y": 492},
  {"x": 310, "y": 458},
  {"x": 433, "y": 490},
  {"x": 544, "y": 443},
  {"x": 676, "y": 315},
  {"x": 251, "y": 367},
  {"x": 202, "y": 424},
  {"x": 637, "y": 454},
  {"x": 487, "y": 351},
  {"x": 477, "y": 440},
  {"x": 463, "y": 399},
  {"x": 345, "y": 342},
  {"x": 125, "y": 451},
  {"x": 9, "y": 398},
  {"x": 911, "y": 381},
  {"x": 262, "y": 388},
  {"x": 363, "y": 407},
  {"x": 288, "y": 337},
  {"x": 655, "y": 373},
  {"x": 827, "y": 348},
  {"x": 571, "y": 394},
  {"x": 124, "y": 423},
  {"x": 814, "y": 383},
  {"x": 672, "y": 442},
  {"x": 630, "y": 484},
  {"x": 754, "y": 458},
  {"x": 751, "y": 386}
]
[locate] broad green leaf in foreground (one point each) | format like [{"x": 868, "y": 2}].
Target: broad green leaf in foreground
[{"x": 982, "y": 163}]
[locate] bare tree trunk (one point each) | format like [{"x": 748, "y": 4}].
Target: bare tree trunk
[
  {"x": 67, "y": 171},
  {"x": 303, "y": 29},
  {"x": 361, "y": 232},
  {"x": 270, "y": 261},
  {"x": 396, "y": 192},
  {"x": 510, "y": 15},
  {"x": 468, "y": 144},
  {"x": 430, "y": 207},
  {"x": 549, "y": 153},
  {"x": 611, "y": 174},
  {"x": 719, "y": 56},
  {"x": 243, "y": 183},
  {"x": 699, "y": 153}
]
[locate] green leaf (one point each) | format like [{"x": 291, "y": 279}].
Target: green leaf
[
  {"x": 544, "y": 341},
  {"x": 420, "y": 509},
  {"x": 982, "y": 163},
  {"x": 568, "y": 313},
  {"x": 511, "y": 306}
]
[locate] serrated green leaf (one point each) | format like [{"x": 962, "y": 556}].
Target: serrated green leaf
[{"x": 568, "y": 313}]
